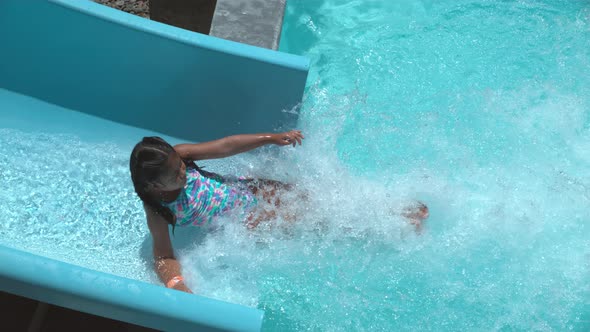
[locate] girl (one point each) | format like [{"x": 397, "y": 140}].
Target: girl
[{"x": 175, "y": 191}]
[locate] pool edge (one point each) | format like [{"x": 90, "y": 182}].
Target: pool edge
[{"x": 119, "y": 298}]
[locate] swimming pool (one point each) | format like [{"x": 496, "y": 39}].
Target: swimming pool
[{"x": 478, "y": 108}]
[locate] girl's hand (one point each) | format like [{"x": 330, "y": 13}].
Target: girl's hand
[
  {"x": 286, "y": 138},
  {"x": 182, "y": 287}
]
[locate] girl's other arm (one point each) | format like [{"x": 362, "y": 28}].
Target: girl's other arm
[{"x": 166, "y": 265}]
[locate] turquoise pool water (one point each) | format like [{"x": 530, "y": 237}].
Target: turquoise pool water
[
  {"x": 481, "y": 109},
  {"x": 478, "y": 108}
]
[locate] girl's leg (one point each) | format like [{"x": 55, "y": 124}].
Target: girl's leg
[
  {"x": 258, "y": 216},
  {"x": 271, "y": 194}
]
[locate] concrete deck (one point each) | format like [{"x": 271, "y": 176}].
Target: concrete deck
[{"x": 253, "y": 22}]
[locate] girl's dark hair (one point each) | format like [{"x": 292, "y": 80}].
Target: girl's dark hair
[{"x": 147, "y": 162}]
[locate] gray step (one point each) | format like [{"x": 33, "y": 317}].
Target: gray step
[{"x": 253, "y": 22}]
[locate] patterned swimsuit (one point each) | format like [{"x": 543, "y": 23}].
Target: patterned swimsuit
[{"x": 204, "y": 198}]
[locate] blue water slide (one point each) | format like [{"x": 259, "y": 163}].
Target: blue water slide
[{"x": 106, "y": 63}]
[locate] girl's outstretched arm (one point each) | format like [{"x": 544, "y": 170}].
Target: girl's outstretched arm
[{"x": 232, "y": 145}]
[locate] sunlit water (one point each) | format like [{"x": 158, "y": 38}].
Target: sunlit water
[{"x": 478, "y": 108}]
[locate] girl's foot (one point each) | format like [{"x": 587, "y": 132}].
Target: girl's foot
[
  {"x": 416, "y": 214},
  {"x": 419, "y": 211}
]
